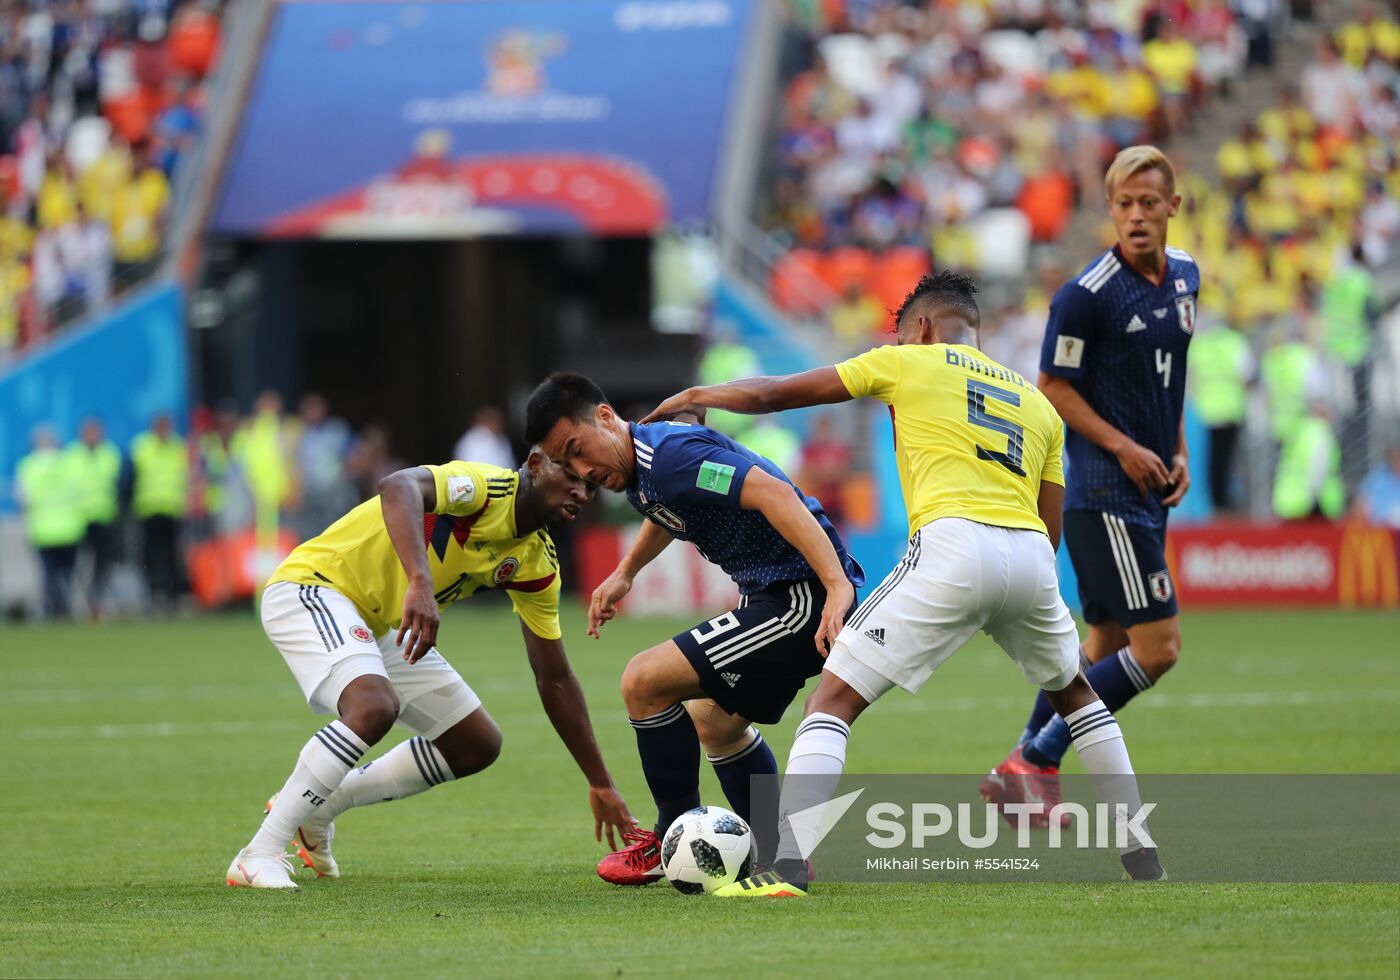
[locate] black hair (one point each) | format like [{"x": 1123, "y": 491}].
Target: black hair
[
  {"x": 562, "y": 395},
  {"x": 944, "y": 289}
]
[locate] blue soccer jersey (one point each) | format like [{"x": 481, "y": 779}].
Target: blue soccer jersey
[
  {"x": 1121, "y": 341},
  {"x": 688, "y": 480}
]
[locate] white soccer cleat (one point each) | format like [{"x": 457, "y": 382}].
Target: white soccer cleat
[
  {"x": 250, "y": 870},
  {"x": 313, "y": 845}
]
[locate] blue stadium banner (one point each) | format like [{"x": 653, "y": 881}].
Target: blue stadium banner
[
  {"x": 128, "y": 367},
  {"x": 489, "y": 117}
]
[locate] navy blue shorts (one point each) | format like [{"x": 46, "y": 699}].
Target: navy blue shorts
[
  {"x": 1122, "y": 569},
  {"x": 753, "y": 659}
]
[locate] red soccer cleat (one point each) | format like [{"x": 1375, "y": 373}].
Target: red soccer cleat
[
  {"x": 637, "y": 864},
  {"x": 1017, "y": 781}
]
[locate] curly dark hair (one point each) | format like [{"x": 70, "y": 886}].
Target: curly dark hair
[{"x": 947, "y": 288}]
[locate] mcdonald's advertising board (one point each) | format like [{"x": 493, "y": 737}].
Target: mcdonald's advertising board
[{"x": 1347, "y": 566}]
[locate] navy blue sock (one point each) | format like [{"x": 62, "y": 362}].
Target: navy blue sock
[
  {"x": 1116, "y": 680},
  {"x": 1042, "y": 712},
  {"x": 670, "y": 751},
  {"x": 754, "y": 759}
]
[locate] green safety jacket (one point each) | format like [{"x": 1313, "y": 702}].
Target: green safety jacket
[
  {"x": 98, "y": 471},
  {"x": 1346, "y": 315},
  {"x": 1219, "y": 375},
  {"x": 1297, "y": 491},
  {"x": 161, "y": 469},
  {"x": 53, "y": 513},
  {"x": 1284, "y": 371}
]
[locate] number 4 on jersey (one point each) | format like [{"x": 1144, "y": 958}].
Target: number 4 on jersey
[
  {"x": 1164, "y": 367},
  {"x": 977, "y": 394}
]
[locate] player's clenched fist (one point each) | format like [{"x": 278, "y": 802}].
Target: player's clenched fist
[
  {"x": 420, "y": 622},
  {"x": 1144, "y": 467},
  {"x": 603, "y": 606}
]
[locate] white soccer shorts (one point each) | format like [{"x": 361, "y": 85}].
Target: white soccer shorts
[
  {"x": 959, "y": 577},
  {"x": 327, "y": 645}
]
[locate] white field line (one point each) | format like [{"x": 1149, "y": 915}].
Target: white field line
[
  {"x": 927, "y": 704},
  {"x": 143, "y": 694},
  {"x": 156, "y": 729},
  {"x": 1161, "y": 700}
]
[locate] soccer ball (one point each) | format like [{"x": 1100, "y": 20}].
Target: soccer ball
[{"x": 706, "y": 848}]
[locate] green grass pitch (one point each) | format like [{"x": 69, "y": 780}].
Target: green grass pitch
[{"x": 138, "y": 757}]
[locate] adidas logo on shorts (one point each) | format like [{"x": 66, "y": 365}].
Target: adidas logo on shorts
[
  {"x": 730, "y": 679},
  {"x": 878, "y": 635}
]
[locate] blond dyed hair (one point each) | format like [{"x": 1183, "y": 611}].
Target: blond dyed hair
[{"x": 1134, "y": 160}]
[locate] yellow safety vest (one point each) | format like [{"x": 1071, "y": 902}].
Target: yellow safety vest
[
  {"x": 53, "y": 513},
  {"x": 97, "y": 471},
  {"x": 162, "y": 475}
]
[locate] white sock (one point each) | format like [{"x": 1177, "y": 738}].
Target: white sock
[
  {"x": 407, "y": 769},
  {"x": 1104, "y": 755},
  {"x": 818, "y": 756},
  {"x": 325, "y": 759}
]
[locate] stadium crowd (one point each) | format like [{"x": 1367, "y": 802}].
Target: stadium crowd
[
  {"x": 972, "y": 130},
  {"x": 968, "y": 135},
  {"x": 98, "y": 99}
]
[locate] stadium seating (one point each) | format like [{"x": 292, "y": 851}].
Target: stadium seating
[
  {"x": 98, "y": 107},
  {"x": 903, "y": 121}
]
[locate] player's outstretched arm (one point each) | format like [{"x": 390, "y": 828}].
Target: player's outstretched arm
[
  {"x": 563, "y": 702},
  {"x": 602, "y": 607},
  {"x": 1143, "y": 466},
  {"x": 404, "y": 497},
  {"x": 784, "y": 509},
  {"x": 757, "y": 396}
]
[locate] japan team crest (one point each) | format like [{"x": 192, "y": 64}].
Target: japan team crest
[
  {"x": 1161, "y": 585},
  {"x": 505, "y": 571},
  {"x": 1186, "y": 312},
  {"x": 665, "y": 517},
  {"x": 360, "y": 633}
]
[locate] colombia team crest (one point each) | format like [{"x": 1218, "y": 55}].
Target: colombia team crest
[
  {"x": 360, "y": 633},
  {"x": 505, "y": 571}
]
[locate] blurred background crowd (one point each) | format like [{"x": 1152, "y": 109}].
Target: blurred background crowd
[
  {"x": 98, "y": 98},
  {"x": 975, "y": 135},
  {"x": 903, "y": 136}
]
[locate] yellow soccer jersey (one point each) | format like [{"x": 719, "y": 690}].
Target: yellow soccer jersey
[
  {"x": 472, "y": 546},
  {"x": 973, "y": 439}
]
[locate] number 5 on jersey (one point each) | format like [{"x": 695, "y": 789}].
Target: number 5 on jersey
[{"x": 977, "y": 394}]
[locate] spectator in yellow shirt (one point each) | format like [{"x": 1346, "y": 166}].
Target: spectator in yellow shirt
[
  {"x": 14, "y": 283},
  {"x": 56, "y": 204},
  {"x": 1172, "y": 60},
  {"x": 102, "y": 182},
  {"x": 1368, "y": 35},
  {"x": 856, "y": 317},
  {"x": 137, "y": 218}
]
